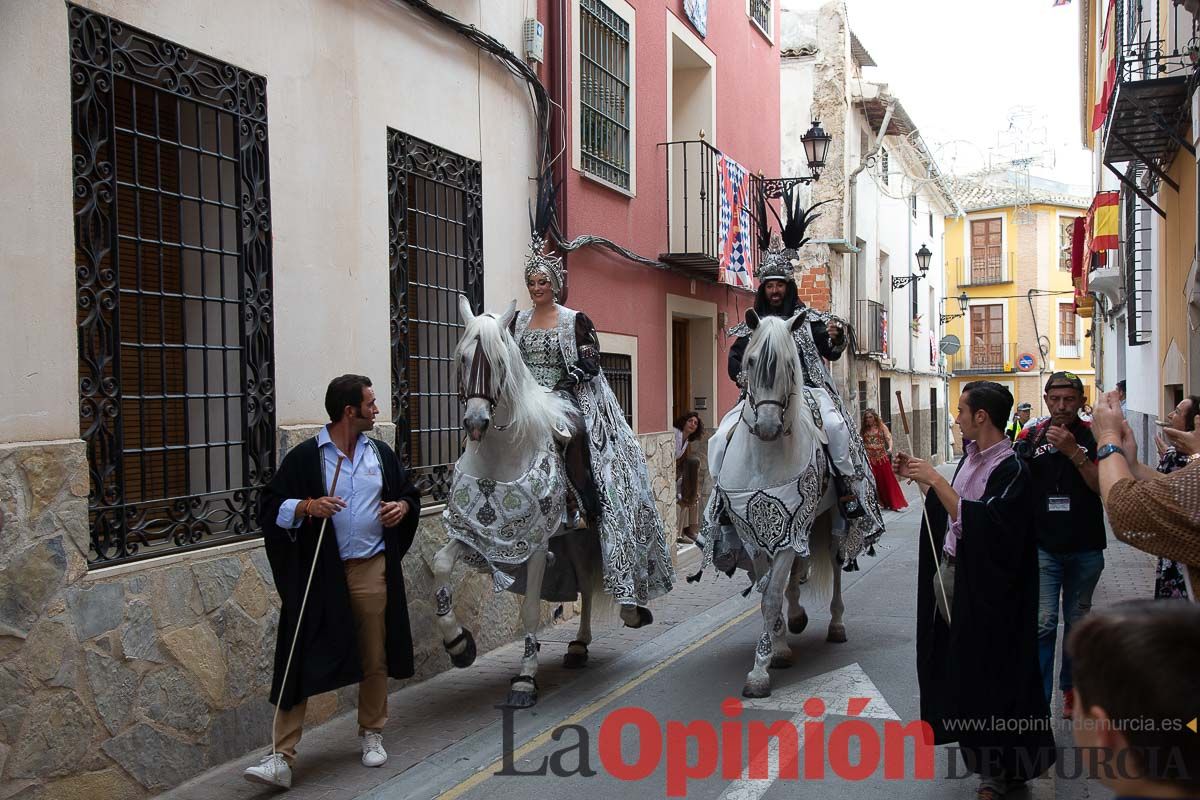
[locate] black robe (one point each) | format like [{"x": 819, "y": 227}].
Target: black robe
[
  {"x": 985, "y": 667},
  {"x": 327, "y": 652}
]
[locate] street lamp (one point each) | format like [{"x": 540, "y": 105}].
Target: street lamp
[
  {"x": 923, "y": 256},
  {"x": 816, "y": 146},
  {"x": 963, "y": 302},
  {"x": 816, "y": 150}
]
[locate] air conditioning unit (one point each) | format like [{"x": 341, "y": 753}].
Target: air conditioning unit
[{"x": 533, "y": 35}]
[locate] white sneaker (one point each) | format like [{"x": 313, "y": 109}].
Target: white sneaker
[
  {"x": 372, "y": 748},
  {"x": 273, "y": 770}
]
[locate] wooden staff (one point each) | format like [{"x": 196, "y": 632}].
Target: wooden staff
[{"x": 937, "y": 564}]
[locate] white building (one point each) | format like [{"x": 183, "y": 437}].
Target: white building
[
  {"x": 888, "y": 202},
  {"x": 212, "y": 213}
]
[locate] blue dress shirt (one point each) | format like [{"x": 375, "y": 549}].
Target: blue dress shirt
[{"x": 358, "y": 528}]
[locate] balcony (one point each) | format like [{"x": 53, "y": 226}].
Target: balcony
[
  {"x": 1150, "y": 109},
  {"x": 870, "y": 328},
  {"x": 984, "y": 359},
  {"x": 988, "y": 270},
  {"x": 696, "y": 175}
]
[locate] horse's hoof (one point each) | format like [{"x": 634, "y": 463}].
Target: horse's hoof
[
  {"x": 781, "y": 662},
  {"x": 576, "y": 656},
  {"x": 798, "y": 623},
  {"x": 465, "y": 658},
  {"x": 523, "y": 693},
  {"x": 837, "y": 634},
  {"x": 750, "y": 690},
  {"x": 636, "y": 616}
]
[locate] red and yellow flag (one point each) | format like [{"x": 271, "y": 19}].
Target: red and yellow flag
[{"x": 1103, "y": 222}]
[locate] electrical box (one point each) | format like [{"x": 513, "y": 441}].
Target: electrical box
[{"x": 534, "y": 36}]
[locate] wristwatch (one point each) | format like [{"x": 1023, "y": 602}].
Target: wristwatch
[{"x": 1107, "y": 450}]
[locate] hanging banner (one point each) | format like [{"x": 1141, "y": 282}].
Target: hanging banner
[
  {"x": 1103, "y": 222},
  {"x": 1107, "y": 66},
  {"x": 733, "y": 222},
  {"x": 697, "y": 14}
]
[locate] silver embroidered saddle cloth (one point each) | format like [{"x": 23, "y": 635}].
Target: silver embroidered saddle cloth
[
  {"x": 774, "y": 517},
  {"x": 503, "y": 523}
]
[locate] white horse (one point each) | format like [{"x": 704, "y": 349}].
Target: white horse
[
  {"x": 774, "y": 484},
  {"x": 506, "y": 502}
]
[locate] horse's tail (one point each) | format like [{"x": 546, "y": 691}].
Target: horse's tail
[{"x": 822, "y": 550}]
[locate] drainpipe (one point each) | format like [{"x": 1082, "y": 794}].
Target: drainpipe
[{"x": 852, "y": 238}]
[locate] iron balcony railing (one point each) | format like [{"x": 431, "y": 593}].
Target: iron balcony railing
[
  {"x": 702, "y": 188},
  {"x": 871, "y": 328},
  {"x": 984, "y": 358},
  {"x": 986, "y": 269}
]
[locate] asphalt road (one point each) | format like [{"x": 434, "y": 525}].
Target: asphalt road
[{"x": 688, "y": 673}]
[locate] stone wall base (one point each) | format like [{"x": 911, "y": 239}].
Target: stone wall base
[{"x": 124, "y": 682}]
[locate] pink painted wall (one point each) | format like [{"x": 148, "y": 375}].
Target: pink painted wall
[{"x": 620, "y": 296}]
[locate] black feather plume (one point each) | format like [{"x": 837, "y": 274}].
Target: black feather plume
[
  {"x": 542, "y": 214},
  {"x": 798, "y": 219}
]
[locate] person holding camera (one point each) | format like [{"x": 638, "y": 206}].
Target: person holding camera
[{"x": 1069, "y": 520}]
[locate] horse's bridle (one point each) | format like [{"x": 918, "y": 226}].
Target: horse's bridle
[
  {"x": 757, "y": 404},
  {"x": 480, "y": 384}
]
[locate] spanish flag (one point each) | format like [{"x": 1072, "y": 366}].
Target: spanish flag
[
  {"x": 1103, "y": 222},
  {"x": 1108, "y": 65}
]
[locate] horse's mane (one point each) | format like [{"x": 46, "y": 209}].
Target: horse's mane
[
  {"x": 534, "y": 412},
  {"x": 777, "y": 363}
]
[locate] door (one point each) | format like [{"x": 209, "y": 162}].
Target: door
[
  {"x": 681, "y": 368},
  {"x": 934, "y": 421},
  {"x": 885, "y": 401},
  {"x": 986, "y": 245},
  {"x": 987, "y": 337}
]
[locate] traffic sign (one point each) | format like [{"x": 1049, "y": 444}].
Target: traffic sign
[{"x": 1025, "y": 362}]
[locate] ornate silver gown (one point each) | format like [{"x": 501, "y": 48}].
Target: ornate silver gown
[{"x": 637, "y": 564}]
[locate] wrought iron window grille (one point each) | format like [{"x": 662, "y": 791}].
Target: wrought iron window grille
[
  {"x": 174, "y": 290},
  {"x": 435, "y": 253},
  {"x": 618, "y": 371},
  {"x": 605, "y": 139},
  {"x": 760, "y": 13}
]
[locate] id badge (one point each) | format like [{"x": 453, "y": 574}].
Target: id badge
[{"x": 1058, "y": 502}]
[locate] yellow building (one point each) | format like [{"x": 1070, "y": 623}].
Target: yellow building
[
  {"x": 1139, "y": 80},
  {"x": 1010, "y": 301}
]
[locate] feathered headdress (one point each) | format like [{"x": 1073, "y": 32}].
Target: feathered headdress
[
  {"x": 782, "y": 247},
  {"x": 541, "y": 259}
]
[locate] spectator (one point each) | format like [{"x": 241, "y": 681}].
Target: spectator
[
  {"x": 1121, "y": 393},
  {"x": 878, "y": 441},
  {"x": 1019, "y": 420},
  {"x": 977, "y": 600},
  {"x": 1069, "y": 520},
  {"x": 688, "y": 428},
  {"x": 1169, "y": 581},
  {"x": 1138, "y": 719},
  {"x": 1159, "y": 514}
]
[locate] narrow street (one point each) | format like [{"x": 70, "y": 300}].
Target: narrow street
[{"x": 445, "y": 737}]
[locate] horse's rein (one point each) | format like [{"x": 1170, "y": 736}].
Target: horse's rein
[{"x": 756, "y": 404}]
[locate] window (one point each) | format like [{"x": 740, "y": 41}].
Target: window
[
  {"x": 618, "y": 371},
  {"x": 604, "y": 85},
  {"x": 760, "y": 13},
  {"x": 173, "y": 272},
  {"x": 987, "y": 336},
  {"x": 436, "y": 253},
  {"x": 912, "y": 205},
  {"x": 885, "y": 166},
  {"x": 862, "y": 399},
  {"x": 1067, "y": 342},
  {"x": 987, "y": 242},
  {"x": 1064, "y": 242},
  {"x": 931, "y": 222}
]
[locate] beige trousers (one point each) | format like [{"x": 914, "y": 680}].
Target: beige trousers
[{"x": 367, "y": 580}]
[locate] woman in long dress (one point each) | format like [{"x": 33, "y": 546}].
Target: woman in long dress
[
  {"x": 605, "y": 464},
  {"x": 878, "y": 441}
]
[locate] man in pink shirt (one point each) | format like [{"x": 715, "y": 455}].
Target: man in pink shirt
[{"x": 977, "y": 604}]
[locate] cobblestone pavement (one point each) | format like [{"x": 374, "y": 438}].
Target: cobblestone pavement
[{"x": 432, "y": 723}]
